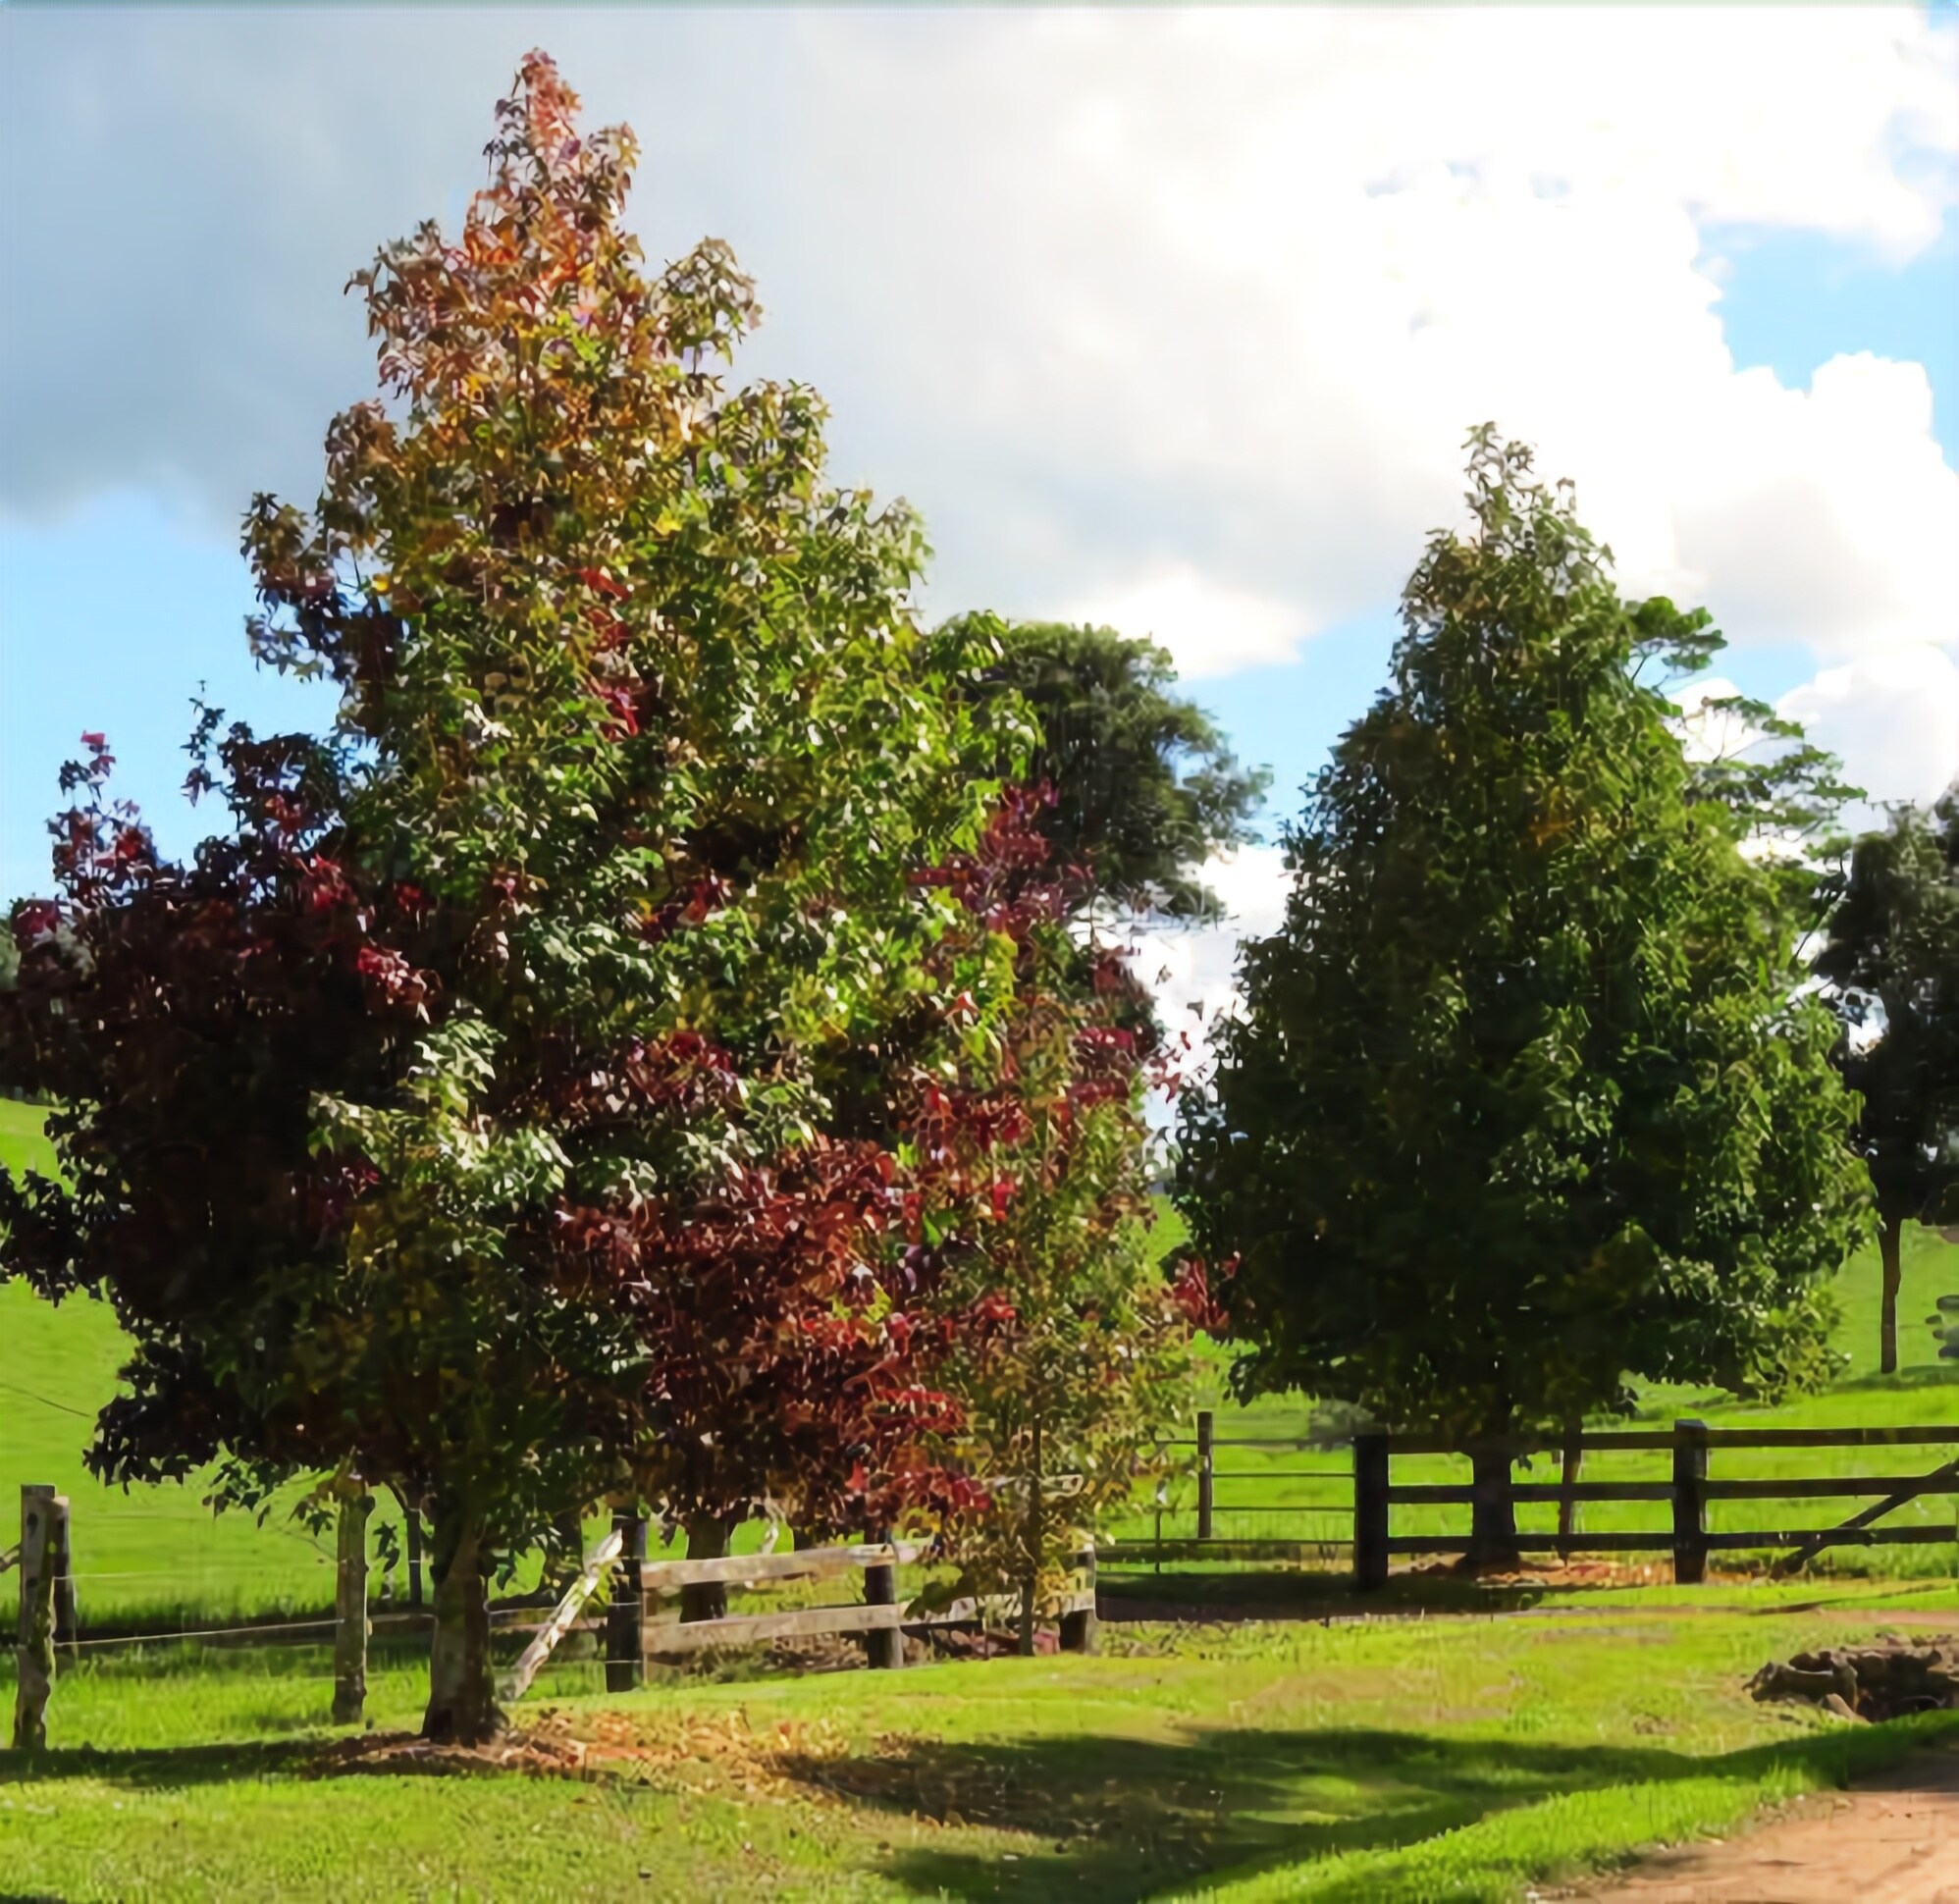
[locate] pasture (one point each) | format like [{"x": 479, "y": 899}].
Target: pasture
[{"x": 157, "y": 1558}]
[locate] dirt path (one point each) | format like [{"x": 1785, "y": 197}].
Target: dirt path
[{"x": 1894, "y": 1840}]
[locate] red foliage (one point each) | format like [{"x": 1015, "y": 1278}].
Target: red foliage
[
  {"x": 1191, "y": 1291},
  {"x": 195, "y": 1010},
  {"x": 789, "y": 1323}
]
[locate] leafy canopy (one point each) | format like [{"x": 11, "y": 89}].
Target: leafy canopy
[
  {"x": 1523, "y": 1104},
  {"x": 1890, "y": 961},
  {"x": 1143, "y": 785}
]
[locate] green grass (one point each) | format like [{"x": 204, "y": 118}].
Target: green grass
[
  {"x": 1387, "y": 1760},
  {"x": 22, "y": 1144}
]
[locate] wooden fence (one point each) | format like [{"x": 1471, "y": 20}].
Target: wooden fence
[
  {"x": 1686, "y": 1494},
  {"x": 640, "y": 1625},
  {"x": 645, "y": 1626},
  {"x": 879, "y": 1614}
]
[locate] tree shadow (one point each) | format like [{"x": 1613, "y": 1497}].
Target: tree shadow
[
  {"x": 1919, "y": 1376},
  {"x": 1239, "y": 1594},
  {"x": 159, "y": 1768},
  {"x": 1122, "y": 1818}
]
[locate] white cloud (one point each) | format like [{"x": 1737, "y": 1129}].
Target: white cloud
[
  {"x": 1892, "y": 717},
  {"x": 1706, "y": 733},
  {"x": 1181, "y": 313},
  {"x": 1208, "y": 627},
  {"x": 1195, "y": 966}
]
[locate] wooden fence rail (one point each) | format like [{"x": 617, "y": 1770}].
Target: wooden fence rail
[
  {"x": 1689, "y": 1539},
  {"x": 879, "y": 1614},
  {"x": 1688, "y": 1494}
]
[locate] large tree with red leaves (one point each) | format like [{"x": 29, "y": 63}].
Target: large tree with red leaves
[{"x": 474, "y": 1115}]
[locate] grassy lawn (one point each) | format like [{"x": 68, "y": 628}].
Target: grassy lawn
[{"x": 1446, "y": 1758}]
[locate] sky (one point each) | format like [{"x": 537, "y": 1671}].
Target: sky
[{"x": 1172, "y": 320}]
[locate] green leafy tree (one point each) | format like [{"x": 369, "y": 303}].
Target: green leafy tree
[
  {"x": 1522, "y": 1105},
  {"x": 1145, "y": 786},
  {"x": 1892, "y": 960}
]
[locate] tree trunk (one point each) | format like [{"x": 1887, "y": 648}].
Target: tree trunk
[
  {"x": 707, "y": 1540},
  {"x": 1035, "y": 1538},
  {"x": 462, "y": 1696},
  {"x": 1889, "y": 1240},
  {"x": 350, "y": 1611},
  {"x": 1493, "y": 1520},
  {"x": 411, "y": 1519}
]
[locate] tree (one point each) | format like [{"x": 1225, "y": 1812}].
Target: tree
[
  {"x": 1145, "y": 786},
  {"x": 1522, "y": 1105},
  {"x": 179, "y": 1017},
  {"x": 1035, "y": 1146},
  {"x": 637, "y": 743},
  {"x": 1892, "y": 960}
]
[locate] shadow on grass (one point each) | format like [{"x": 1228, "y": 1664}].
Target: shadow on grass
[
  {"x": 162, "y": 1767},
  {"x": 1123, "y": 1816},
  {"x": 1242, "y": 1593},
  {"x": 1920, "y": 1377}
]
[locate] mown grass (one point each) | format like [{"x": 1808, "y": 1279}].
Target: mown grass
[{"x": 1448, "y": 1757}]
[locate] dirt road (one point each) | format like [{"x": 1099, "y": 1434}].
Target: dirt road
[{"x": 1892, "y": 1842}]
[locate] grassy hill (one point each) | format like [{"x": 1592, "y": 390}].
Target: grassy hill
[{"x": 158, "y": 1552}]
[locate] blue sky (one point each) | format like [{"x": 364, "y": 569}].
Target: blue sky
[{"x": 1717, "y": 293}]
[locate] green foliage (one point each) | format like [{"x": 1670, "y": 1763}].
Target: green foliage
[
  {"x": 1523, "y": 1101},
  {"x": 1890, "y": 960},
  {"x": 1144, "y": 786}
]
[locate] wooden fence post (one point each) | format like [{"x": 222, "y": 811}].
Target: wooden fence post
[
  {"x": 1571, "y": 1467},
  {"x": 1206, "y": 1476},
  {"x": 1690, "y": 1526},
  {"x": 1370, "y": 1511},
  {"x": 60, "y": 1569},
  {"x": 625, "y": 1617},
  {"x": 36, "y": 1633},
  {"x": 350, "y": 1611},
  {"x": 887, "y": 1644},
  {"x": 1081, "y": 1632},
  {"x": 412, "y": 1517}
]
